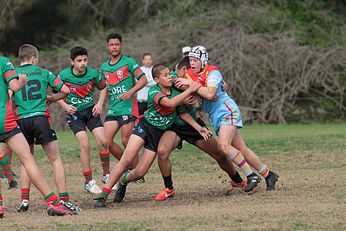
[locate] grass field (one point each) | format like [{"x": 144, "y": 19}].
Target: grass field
[{"x": 310, "y": 195}]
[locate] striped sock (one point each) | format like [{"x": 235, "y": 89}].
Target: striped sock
[
  {"x": 239, "y": 160},
  {"x": 88, "y": 175},
  {"x": 25, "y": 193},
  {"x": 104, "y": 157},
  {"x": 52, "y": 198},
  {"x": 5, "y": 163},
  {"x": 64, "y": 196},
  {"x": 264, "y": 171},
  {"x": 1, "y": 200},
  {"x": 105, "y": 192}
]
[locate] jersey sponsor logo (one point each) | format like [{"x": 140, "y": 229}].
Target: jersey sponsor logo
[
  {"x": 82, "y": 101},
  {"x": 115, "y": 92},
  {"x": 125, "y": 117}
]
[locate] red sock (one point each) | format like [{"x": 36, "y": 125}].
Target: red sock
[
  {"x": 52, "y": 198},
  {"x": 25, "y": 193},
  {"x": 88, "y": 175}
]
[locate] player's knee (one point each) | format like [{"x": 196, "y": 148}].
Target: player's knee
[
  {"x": 223, "y": 146},
  {"x": 103, "y": 145}
]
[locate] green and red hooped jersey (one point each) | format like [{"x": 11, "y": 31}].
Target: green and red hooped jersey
[
  {"x": 183, "y": 108},
  {"x": 7, "y": 73},
  {"x": 120, "y": 78},
  {"x": 81, "y": 87},
  {"x": 31, "y": 100},
  {"x": 157, "y": 115}
]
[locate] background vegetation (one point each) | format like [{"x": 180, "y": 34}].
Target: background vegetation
[{"x": 284, "y": 59}]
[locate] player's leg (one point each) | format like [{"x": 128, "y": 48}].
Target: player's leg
[
  {"x": 168, "y": 142},
  {"x": 6, "y": 169},
  {"x": 134, "y": 145},
  {"x": 18, "y": 145},
  {"x": 210, "y": 147},
  {"x": 253, "y": 159},
  {"x": 111, "y": 129},
  {"x": 100, "y": 137},
  {"x": 141, "y": 169},
  {"x": 2, "y": 210},
  {"x": 126, "y": 130},
  {"x": 226, "y": 134},
  {"x": 84, "y": 145},
  {"x": 25, "y": 186}
]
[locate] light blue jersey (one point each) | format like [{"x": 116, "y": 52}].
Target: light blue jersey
[{"x": 224, "y": 110}]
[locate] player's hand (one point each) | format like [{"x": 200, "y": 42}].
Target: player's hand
[
  {"x": 50, "y": 99},
  {"x": 190, "y": 100},
  {"x": 70, "y": 109},
  {"x": 215, "y": 97},
  {"x": 23, "y": 79},
  {"x": 194, "y": 86},
  {"x": 224, "y": 86},
  {"x": 205, "y": 133},
  {"x": 181, "y": 82},
  {"x": 97, "y": 109},
  {"x": 125, "y": 96}
]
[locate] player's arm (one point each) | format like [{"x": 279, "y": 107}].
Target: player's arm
[
  {"x": 64, "y": 91},
  {"x": 142, "y": 81},
  {"x": 17, "y": 83},
  {"x": 202, "y": 130},
  {"x": 176, "y": 100},
  {"x": 208, "y": 93},
  {"x": 69, "y": 109}
]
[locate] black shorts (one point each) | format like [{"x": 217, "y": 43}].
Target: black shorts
[
  {"x": 149, "y": 133},
  {"x": 142, "y": 107},
  {"x": 188, "y": 133},
  {"x": 37, "y": 130},
  {"x": 122, "y": 120},
  {"x": 80, "y": 119},
  {"x": 9, "y": 134}
]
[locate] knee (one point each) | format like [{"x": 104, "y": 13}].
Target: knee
[
  {"x": 162, "y": 153},
  {"x": 103, "y": 145},
  {"x": 223, "y": 146},
  {"x": 124, "y": 141}
]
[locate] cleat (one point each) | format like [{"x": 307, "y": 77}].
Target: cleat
[
  {"x": 120, "y": 193},
  {"x": 105, "y": 178},
  {"x": 68, "y": 204},
  {"x": 2, "y": 211},
  {"x": 100, "y": 202},
  {"x": 271, "y": 180},
  {"x": 140, "y": 180},
  {"x": 234, "y": 184},
  {"x": 92, "y": 187},
  {"x": 12, "y": 184},
  {"x": 24, "y": 206},
  {"x": 166, "y": 193},
  {"x": 60, "y": 210},
  {"x": 252, "y": 182}
]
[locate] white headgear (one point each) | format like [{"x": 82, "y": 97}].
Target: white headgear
[{"x": 200, "y": 53}]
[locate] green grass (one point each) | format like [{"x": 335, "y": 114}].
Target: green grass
[{"x": 310, "y": 160}]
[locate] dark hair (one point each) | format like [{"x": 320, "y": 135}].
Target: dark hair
[
  {"x": 184, "y": 62},
  {"x": 156, "y": 70},
  {"x": 114, "y": 36},
  {"x": 147, "y": 54},
  {"x": 76, "y": 51},
  {"x": 27, "y": 51}
]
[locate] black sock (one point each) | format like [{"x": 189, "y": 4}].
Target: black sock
[
  {"x": 236, "y": 177},
  {"x": 168, "y": 182}
]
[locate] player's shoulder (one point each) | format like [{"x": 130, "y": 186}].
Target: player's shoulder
[
  {"x": 105, "y": 64},
  {"x": 92, "y": 70},
  {"x": 129, "y": 59}
]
